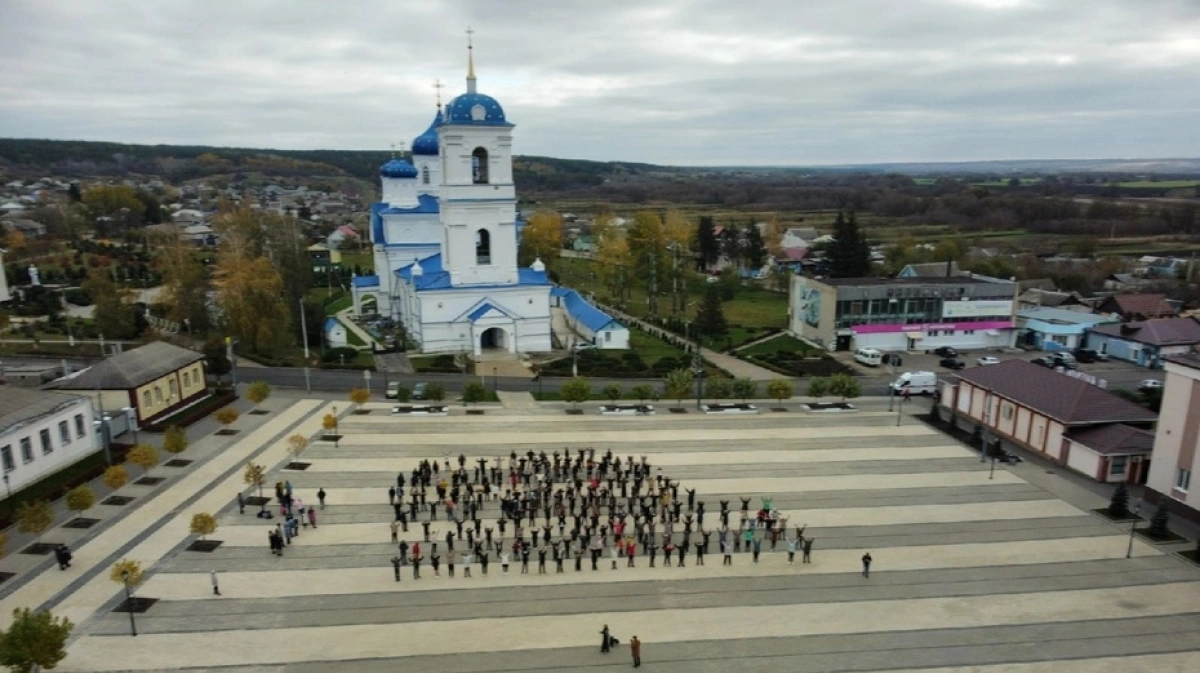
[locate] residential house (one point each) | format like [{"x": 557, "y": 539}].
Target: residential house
[
  {"x": 798, "y": 238},
  {"x": 322, "y": 255},
  {"x": 931, "y": 270},
  {"x": 1177, "y": 442},
  {"x": 41, "y": 433},
  {"x": 1056, "y": 329},
  {"x": 200, "y": 235},
  {"x": 341, "y": 236},
  {"x": 1036, "y": 298},
  {"x": 1146, "y": 343},
  {"x": 156, "y": 380},
  {"x": 1131, "y": 307},
  {"x": 1124, "y": 282},
  {"x": 1052, "y": 414}
]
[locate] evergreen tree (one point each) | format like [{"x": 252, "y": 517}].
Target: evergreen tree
[
  {"x": 755, "y": 248},
  {"x": 850, "y": 253},
  {"x": 1118, "y": 505},
  {"x": 1159, "y": 523},
  {"x": 706, "y": 239},
  {"x": 710, "y": 319}
]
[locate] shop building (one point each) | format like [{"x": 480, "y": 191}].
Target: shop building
[{"x": 903, "y": 314}]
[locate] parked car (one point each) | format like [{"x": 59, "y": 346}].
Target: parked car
[
  {"x": 915, "y": 383},
  {"x": 945, "y": 352},
  {"x": 1043, "y": 362},
  {"x": 1088, "y": 355},
  {"x": 988, "y": 360},
  {"x": 1150, "y": 384},
  {"x": 952, "y": 363},
  {"x": 893, "y": 359},
  {"x": 583, "y": 346},
  {"x": 1010, "y": 458},
  {"x": 1064, "y": 360},
  {"x": 418, "y": 391},
  {"x": 393, "y": 390}
]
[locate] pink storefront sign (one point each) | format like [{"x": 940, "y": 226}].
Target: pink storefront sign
[{"x": 932, "y": 327}]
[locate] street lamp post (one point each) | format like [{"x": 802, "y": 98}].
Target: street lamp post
[
  {"x": 336, "y": 435},
  {"x": 892, "y": 387},
  {"x": 129, "y": 603},
  {"x": 899, "y": 412},
  {"x": 992, "y": 471},
  {"x": 495, "y": 379},
  {"x": 987, "y": 408},
  {"x": 1132, "y": 529}
]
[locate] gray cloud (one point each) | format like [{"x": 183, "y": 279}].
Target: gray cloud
[{"x": 666, "y": 81}]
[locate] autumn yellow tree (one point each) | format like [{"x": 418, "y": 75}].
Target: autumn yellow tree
[
  {"x": 250, "y": 294},
  {"x": 648, "y": 245},
  {"x": 111, "y": 200},
  {"x": 114, "y": 314},
  {"x": 185, "y": 283},
  {"x": 250, "y": 233},
  {"x": 541, "y": 239},
  {"x": 611, "y": 254}
]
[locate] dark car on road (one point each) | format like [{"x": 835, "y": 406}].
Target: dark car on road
[
  {"x": 952, "y": 363},
  {"x": 1088, "y": 355},
  {"x": 945, "y": 352},
  {"x": 1044, "y": 362}
]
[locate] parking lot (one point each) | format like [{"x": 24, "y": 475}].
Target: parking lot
[{"x": 1116, "y": 374}]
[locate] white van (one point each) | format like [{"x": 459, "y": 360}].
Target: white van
[
  {"x": 915, "y": 383},
  {"x": 868, "y": 356}
]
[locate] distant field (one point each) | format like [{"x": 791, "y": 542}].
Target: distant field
[{"x": 1164, "y": 184}]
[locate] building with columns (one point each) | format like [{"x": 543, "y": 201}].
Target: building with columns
[{"x": 445, "y": 236}]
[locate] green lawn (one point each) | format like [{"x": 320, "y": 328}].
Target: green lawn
[
  {"x": 1163, "y": 184},
  {"x": 651, "y": 348},
  {"x": 339, "y": 304},
  {"x": 752, "y": 306},
  {"x": 353, "y": 339},
  {"x": 782, "y": 342}
]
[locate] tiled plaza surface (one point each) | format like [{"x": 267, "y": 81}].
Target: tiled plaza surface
[{"x": 970, "y": 573}]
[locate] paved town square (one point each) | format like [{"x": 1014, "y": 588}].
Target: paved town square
[{"x": 970, "y": 571}]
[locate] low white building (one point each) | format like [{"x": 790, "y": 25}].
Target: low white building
[
  {"x": 41, "y": 433},
  {"x": 335, "y": 334},
  {"x": 593, "y": 325}
]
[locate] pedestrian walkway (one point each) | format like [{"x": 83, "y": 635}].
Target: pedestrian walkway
[
  {"x": 973, "y": 571},
  {"x": 512, "y": 399},
  {"x": 736, "y": 367},
  {"x": 94, "y": 557},
  {"x": 343, "y": 316}
]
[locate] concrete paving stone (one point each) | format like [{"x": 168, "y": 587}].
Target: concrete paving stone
[
  {"x": 232, "y": 613},
  {"x": 491, "y": 634}
]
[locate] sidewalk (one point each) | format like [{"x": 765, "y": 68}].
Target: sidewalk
[
  {"x": 81, "y": 591},
  {"x": 736, "y": 368}
]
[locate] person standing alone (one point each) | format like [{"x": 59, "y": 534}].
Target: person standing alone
[
  {"x": 212, "y": 574},
  {"x": 866, "y": 561},
  {"x": 635, "y": 648}
]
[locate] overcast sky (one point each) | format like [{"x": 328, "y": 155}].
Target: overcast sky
[{"x": 700, "y": 82}]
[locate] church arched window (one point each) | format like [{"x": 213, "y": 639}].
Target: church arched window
[
  {"x": 424, "y": 175},
  {"x": 483, "y": 247},
  {"x": 479, "y": 166}
]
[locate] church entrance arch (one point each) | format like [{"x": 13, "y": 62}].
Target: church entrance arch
[{"x": 493, "y": 338}]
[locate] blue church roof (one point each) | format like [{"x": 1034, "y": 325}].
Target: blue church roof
[
  {"x": 366, "y": 281},
  {"x": 398, "y": 168},
  {"x": 580, "y": 309},
  {"x": 426, "y": 144},
  {"x": 458, "y": 111},
  {"x": 426, "y": 204},
  {"x": 430, "y": 265},
  {"x": 482, "y": 311},
  {"x": 332, "y": 323}
]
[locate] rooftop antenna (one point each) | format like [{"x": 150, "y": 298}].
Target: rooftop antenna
[{"x": 470, "y": 61}]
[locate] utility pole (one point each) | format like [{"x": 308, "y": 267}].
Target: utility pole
[
  {"x": 652, "y": 298},
  {"x": 304, "y": 330}
]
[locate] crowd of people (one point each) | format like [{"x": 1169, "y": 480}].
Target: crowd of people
[{"x": 571, "y": 510}]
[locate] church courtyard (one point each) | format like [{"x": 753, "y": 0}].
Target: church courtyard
[{"x": 971, "y": 571}]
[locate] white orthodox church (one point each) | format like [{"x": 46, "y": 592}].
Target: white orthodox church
[{"x": 445, "y": 237}]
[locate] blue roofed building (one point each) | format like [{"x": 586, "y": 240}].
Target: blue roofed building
[
  {"x": 588, "y": 322},
  {"x": 1056, "y": 329},
  {"x": 335, "y": 334},
  {"x": 445, "y": 234}
]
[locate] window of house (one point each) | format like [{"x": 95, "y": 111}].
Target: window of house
[
  {"x": 483, "y": 247},
  {"x": 173, "y": 387},
  {"x": 146, "y": 398},
  {"x": 64, "y": 433},
  {"x": 158, "y": 394},
  {"x": 424, "y": 175},
  {"x": 26, "y": 450},
  {"x": 80, "y": 428},
  {"x": 186, "y": 382},
  {"x": 607, "y": 337},
  {"x": 47, "y": 446},
  {"x": 1118, "y": 465},
  {"x": 1183, "y": 479},
  {"x": 479, "y": 166},
  {"x": 7, "y": 457}
]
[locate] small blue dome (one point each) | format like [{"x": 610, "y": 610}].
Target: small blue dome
[
  {"x": 398, "y": 168},
  {"x": 476, "y": 109},
  {"x": 426, "y": 144}
]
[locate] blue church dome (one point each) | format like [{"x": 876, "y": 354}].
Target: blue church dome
[
  {"x": 426, "y": 144},
  {"x": 475, "y": 109},
  {"x": 398, "y": 168}
]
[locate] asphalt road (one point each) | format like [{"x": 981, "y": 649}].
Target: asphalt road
[{"x": 344, "y": 380}]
